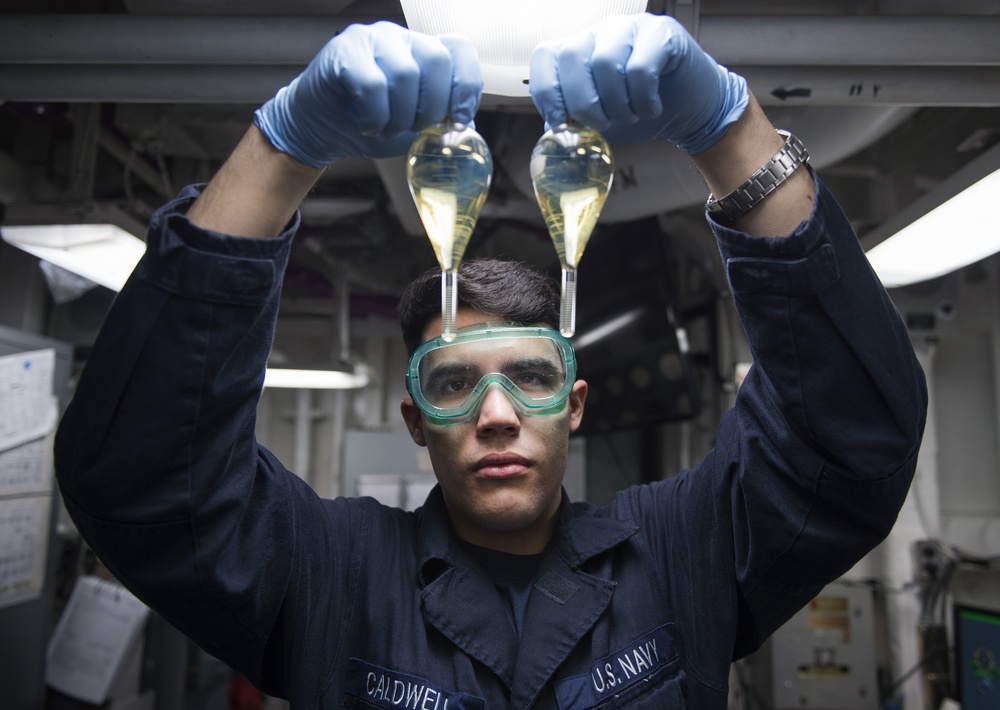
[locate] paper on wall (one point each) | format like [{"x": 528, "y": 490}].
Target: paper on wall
[
  {"x": 27, "y": 408},
  {"x": 98, "y": 629},
  {"x": 24, "y": 532}
]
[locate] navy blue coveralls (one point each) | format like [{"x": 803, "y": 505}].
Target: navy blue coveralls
[{"x": 346, "y": 603}]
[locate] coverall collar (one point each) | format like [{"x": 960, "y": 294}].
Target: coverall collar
[
  {"x": 578, "y": 536},
  {"x": 459, "y": 600}
]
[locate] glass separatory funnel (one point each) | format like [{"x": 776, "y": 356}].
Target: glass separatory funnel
[
  {"x": 571, "y": 170},
  {"x": 449, "y": 169}
]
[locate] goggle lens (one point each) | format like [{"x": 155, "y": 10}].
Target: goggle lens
[{"x": 535, "y": 366}]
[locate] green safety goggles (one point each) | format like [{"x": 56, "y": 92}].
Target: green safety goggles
[{"x": 535, "y": 367}]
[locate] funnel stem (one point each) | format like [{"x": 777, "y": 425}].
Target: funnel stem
[
  {"x": 449, "y": 304},
  {"x": 567, "y": 307}
]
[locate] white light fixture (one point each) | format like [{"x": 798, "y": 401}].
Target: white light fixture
[
  {"x": 302, "y": 351},
  {"x": 316, "y": 379},
  {"x": 952, "y": 226},
  {"x": 505, "y": 32},
  {"x": 103, "y": 253}
]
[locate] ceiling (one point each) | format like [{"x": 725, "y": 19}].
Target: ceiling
[{"x": 108, "y": 107}]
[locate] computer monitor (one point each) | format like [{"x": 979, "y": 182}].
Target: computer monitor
[{"x": 977, "y": 657}]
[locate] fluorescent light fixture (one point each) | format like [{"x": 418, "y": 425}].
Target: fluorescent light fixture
[
  {"x": 315, "y": 379},
  {"x": 505, "y": 32},
  {"x": 103, "y": 253},
  {"x": 959, "y": 232},
  {"x": 107, "y": 254},
  {"x": 949, "y": 227},
  {"x": 301, "y": 356},
  {"x": 607, "y": 329}
]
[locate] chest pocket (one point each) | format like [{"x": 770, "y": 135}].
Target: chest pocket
[
  {"x": 645, "y": 673},
  {"x": 664, "y": 689}
]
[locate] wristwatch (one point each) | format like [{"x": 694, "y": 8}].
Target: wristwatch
[{"x": 763, "y": 182}]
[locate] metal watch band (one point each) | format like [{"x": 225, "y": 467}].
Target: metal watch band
[{"x": 763, "y": 182}]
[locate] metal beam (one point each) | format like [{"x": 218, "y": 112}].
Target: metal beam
[
  {"x": 875, "y": 86},
  {"x": 803, "y": 60},
  {"x": 211, "y": 84},
  {"x": 859, "y": 41},
  {"x": 805, "y": 40},
  {"x": 169, "y": 39}
]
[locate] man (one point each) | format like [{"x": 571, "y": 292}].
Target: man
[{"x": 498, "y": 593}]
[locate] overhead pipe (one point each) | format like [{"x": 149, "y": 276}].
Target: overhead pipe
[{"x": 797, "y": 40}]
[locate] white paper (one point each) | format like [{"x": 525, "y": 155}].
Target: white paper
[
  {"x": 100, "y": 625},
  {"x": 27, "y": 409},
  {"x": 26, "y": 468},
  {"x": 24, "y": 532}
]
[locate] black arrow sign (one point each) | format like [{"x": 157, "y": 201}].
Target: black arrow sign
[{"x": 797, "y": 93}]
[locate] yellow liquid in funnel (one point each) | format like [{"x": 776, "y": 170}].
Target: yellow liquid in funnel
[
  {"x": 449, "y": 169},
  {"x": 571, "y": 169},
  {"x": 570, "y": 217},
  {"x": 449, "y": 173}
]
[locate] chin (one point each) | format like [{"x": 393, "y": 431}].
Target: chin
[{"x": 508, "y": 513}]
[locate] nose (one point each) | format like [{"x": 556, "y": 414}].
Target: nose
[{"x": 497, "y": 414}]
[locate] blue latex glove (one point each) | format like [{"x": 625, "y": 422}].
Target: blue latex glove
[
  {"x": 368, "y": 92},
  {"x": 635, "y": 78}
]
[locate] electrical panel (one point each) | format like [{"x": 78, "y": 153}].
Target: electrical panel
[{"x": 824, "y": 657}]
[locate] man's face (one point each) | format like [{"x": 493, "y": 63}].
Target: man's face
[{"x": 501, "y": 472}]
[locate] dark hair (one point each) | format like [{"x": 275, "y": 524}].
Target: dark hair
[{"x": 507, "y": 290}]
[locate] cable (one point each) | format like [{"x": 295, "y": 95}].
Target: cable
[
  {"x": 164, "y": 173},
  {"x": 127, "y": 177},
  {"x": 887, "y": 695},
  {"x": 966, "y": 558}
]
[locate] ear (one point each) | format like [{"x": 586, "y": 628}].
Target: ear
[
  {"x": 414, "y": 421},
  {"x": 577, "y": 397}
]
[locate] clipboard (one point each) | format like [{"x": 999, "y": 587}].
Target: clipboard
[{"x": 98, "y": 630}]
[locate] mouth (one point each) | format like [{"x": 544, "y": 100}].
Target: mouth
[{"x": 500, "y": 466}]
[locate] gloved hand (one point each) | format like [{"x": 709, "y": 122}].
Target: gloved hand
[
  {"x": 368, "y": 91},
  {"x": 635, "y": 78}
]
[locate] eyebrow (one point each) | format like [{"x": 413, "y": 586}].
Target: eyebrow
[
  {"x": 448, "y": 369},
  {"x": 534, "y": 363},
  {"x": 452, "y": 369}
]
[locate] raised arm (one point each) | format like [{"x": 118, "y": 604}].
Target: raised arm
[
  {"x": 156, "y": 455},
  {"x": 810, "y": 468},
  {"x": 256, "y": 192}
]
